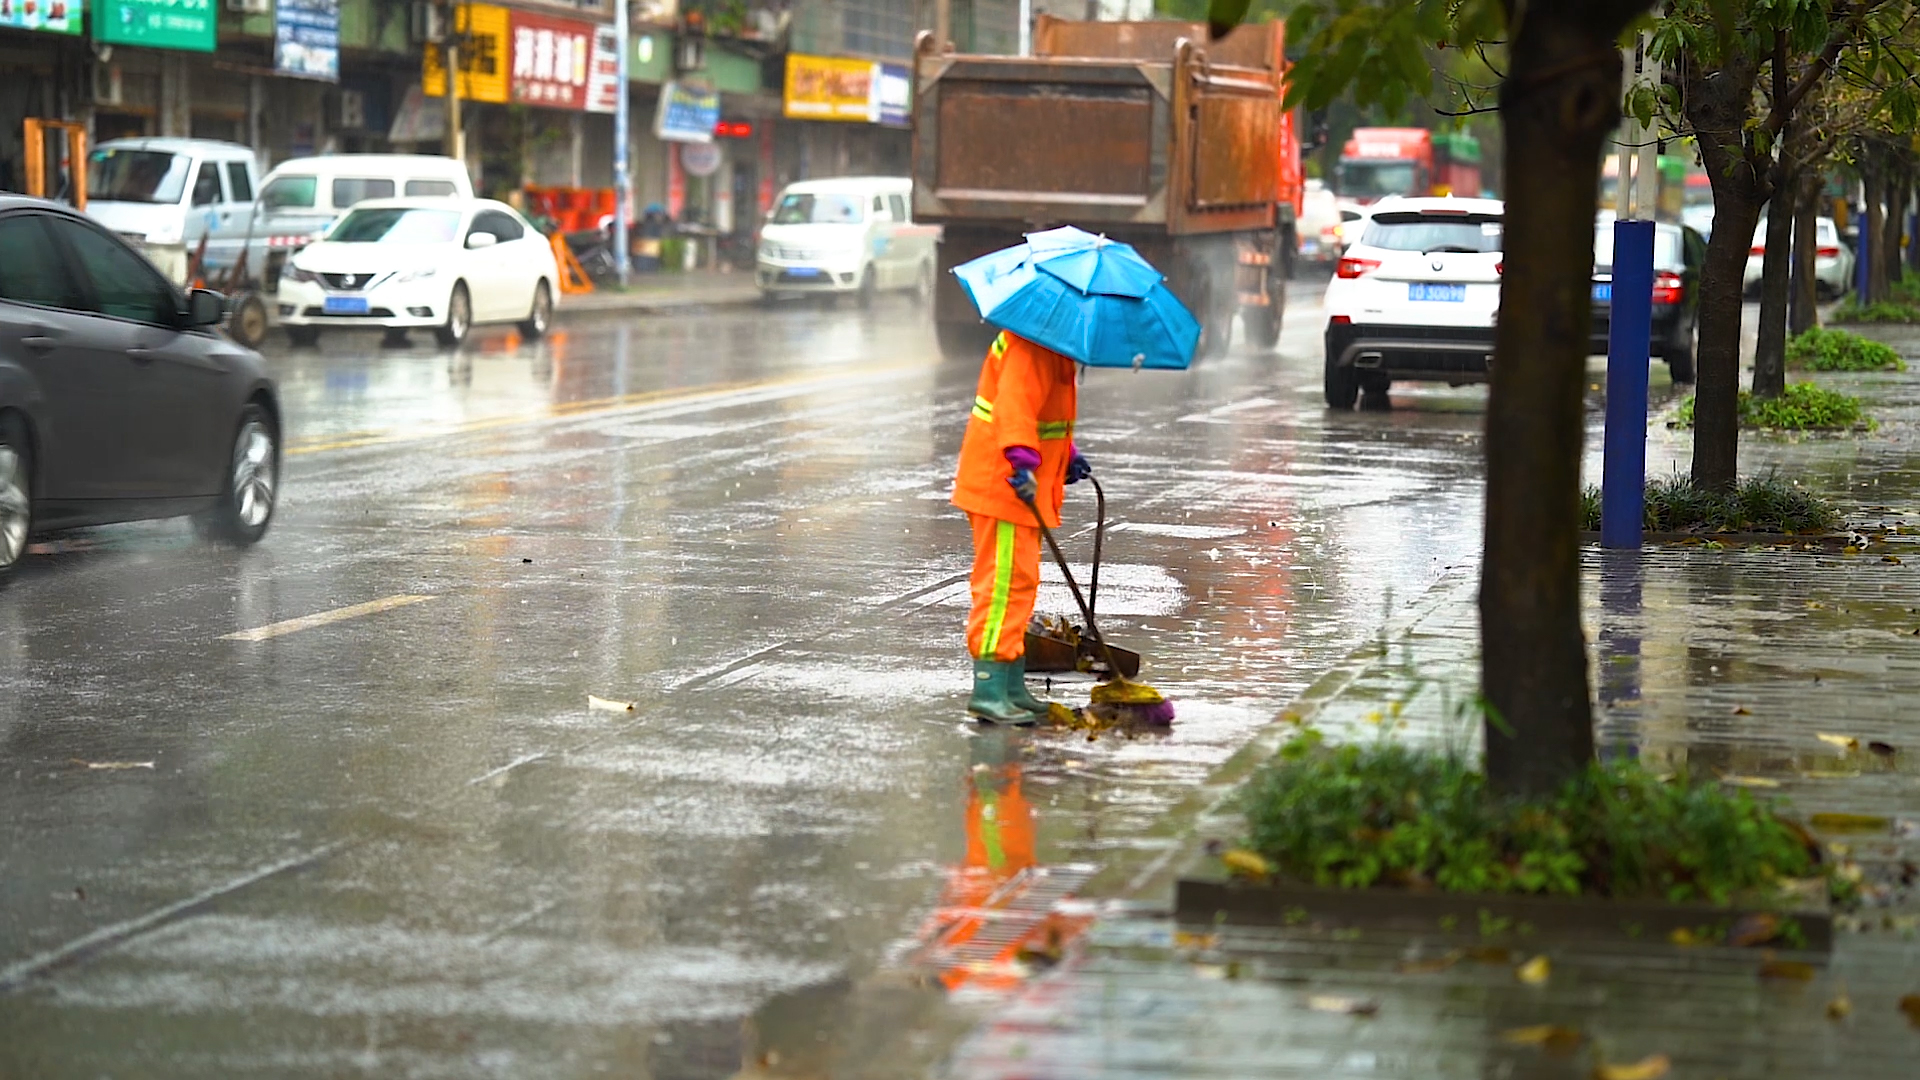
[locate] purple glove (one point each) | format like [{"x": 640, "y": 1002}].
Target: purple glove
[{"x": 1024, "y": 460}]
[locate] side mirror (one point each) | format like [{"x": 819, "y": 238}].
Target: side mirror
[
  {"x": 205, "y": 308},
  {"x": 480, "y": 240}
]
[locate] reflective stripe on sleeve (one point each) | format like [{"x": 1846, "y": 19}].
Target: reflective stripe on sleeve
[
  {"x": 983, "y": 409},
  {"x": 1056, "y": 429}
]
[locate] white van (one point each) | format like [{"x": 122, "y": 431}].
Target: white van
[
  {"x": 302, "y": 197},
  {"x": 163, "y": 195},
  {"x": 852, "y": 234}
]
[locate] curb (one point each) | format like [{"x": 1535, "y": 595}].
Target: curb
[{"x": 645, "y": 305}]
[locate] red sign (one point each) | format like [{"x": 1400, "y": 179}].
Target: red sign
[{"x": 552, "y": 59}]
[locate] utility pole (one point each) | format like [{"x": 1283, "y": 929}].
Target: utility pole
[
  {"x": 450, "y": 63},
  {"x": 1026, "y": 27},
  {"x": 622, "y": 182},
  {"x": 942, "y": 24}
]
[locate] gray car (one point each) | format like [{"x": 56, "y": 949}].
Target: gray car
[{"x": 118, "y": 399}]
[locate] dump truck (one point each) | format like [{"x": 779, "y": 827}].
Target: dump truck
[
  {"x": 1142, "y": 131},
  {"x": 1378, "y": 162}
]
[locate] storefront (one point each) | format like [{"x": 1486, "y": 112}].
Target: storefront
[
  {"x": 854, "y": 115},
  {"x": 45, "y": 57}
]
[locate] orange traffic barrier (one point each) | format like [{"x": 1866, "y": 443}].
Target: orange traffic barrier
[{"x": 573, "y": 276}]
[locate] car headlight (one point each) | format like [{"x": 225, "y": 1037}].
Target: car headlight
[
  {"x": 421, "y": 274},
  {"x": 295, "y": 273}
]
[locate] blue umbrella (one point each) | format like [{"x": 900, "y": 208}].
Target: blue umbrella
[{"x": 1085, "y": 297}]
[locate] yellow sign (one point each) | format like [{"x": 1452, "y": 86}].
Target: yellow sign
[
  {"x": 832, "y": 88},
  {"x": 483, "y": 57}
]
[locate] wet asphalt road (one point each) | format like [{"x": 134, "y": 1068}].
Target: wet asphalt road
[{"x": 396, "y": 841}]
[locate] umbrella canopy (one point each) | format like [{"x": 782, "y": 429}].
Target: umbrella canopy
[{"x": 1085, "y": 297}]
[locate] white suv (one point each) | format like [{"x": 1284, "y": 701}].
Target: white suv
[{"x": 1415, "y": 297}]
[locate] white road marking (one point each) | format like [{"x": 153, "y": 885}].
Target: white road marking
[{"x": 323, "y": 618}]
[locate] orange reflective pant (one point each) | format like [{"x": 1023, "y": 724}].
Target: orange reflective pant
[{"x": 1006, "y": 577}]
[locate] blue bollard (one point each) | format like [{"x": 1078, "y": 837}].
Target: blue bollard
[{"x": 1623, "y": 481}]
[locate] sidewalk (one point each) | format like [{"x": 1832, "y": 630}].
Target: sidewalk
[
  {"x": 661, "y": 292},
  {"x": 1729, "y": 662}
]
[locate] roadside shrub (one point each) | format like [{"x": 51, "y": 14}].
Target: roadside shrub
[
  {"x": 1804, "y": 407},
  {"x": 1757, "y": 504},
  {"x": 1880, "y": 311},
  {"x": 1838, "y": 350},
  {"x": 1383, "y": 814}
]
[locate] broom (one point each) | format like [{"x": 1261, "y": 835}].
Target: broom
[{"x": 1119, "y": 700}]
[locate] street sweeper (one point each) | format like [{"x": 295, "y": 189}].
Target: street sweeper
[{"x": 1019, "y": 444}]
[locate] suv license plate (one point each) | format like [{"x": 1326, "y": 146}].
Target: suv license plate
[
  {"x": 345, "y": 305},
  {"x": 1423, "y": 290},
  {"x": 1603, "y": 291}
]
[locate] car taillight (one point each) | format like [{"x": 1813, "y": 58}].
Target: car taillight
[
  {"x": 1353, "y": 268},
  {"x": 1500, "y": 268},
  {"x": 1757, "y": 250},
  {"x": 1828, "y": 252},
  {"x": 1668, "y": 288},
  {"x": 1341, "y": 320}
]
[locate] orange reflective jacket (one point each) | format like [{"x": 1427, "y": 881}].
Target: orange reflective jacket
[{"x": 1026, "y": 398}]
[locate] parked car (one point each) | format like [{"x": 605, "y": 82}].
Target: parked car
[
  {"x": 118, "y": 401},
  {"x": 301, "y": 197},
  {"x": 421, "y": 263},
  {"x": 163, "y": 195},
  {"x": 1415, "y": 297},
  {"x": 1832, "y": 262},
  {"x": 1678, "y": 255},
  {"x": 1319, "y": 226},
  {"x": 847, "y": 235}
]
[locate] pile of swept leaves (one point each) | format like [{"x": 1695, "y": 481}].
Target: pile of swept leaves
[
  {"x": 1803, "y": 407},
  {"x": 1384, "y": 814},
  {"x": 1838, "y": 350},
  {"x": 1761, "y": 504}
]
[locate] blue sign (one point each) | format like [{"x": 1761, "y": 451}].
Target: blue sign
[
  {"x": 896, "y": 95},
  {"x": 686, "y": 113},
  {"x": 306, "y": 39}
]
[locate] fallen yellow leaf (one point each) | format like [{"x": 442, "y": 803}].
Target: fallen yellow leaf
[
  {"x": 1911, "y": 1006},
  {"x": 1844, "y": 742},
  {"x": 1742, "y": 710},
  {"x": 1750, "y": 781},
  {"x": 1552, "y": 1037},
  {"x": 1684, "y": 937},
  {"x": 1429, "y": 965},
  {"x": 608, "y": 704},
  {"x": 1534, "y": 972},
  {"x": 1247, "y": 864},
  {"x": 1349, "y": 1006},
  {"x": 1750, "y": 930},
  {"x": 1839, "y": 1008},
  {"x": 1647, "y": 1068},
  {"x": 1186, "y": 939},
  {"x": 1894, "y": 559},
  {"x": 1786, "y": 969}
]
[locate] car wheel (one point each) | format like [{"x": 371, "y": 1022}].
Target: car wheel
[
  {"x": 1342, "y": 383},
  {"x": 1679, "y": 358},
  {"x": 247, "y": 325},
  {"x": 16, "y": 493},
  {"x": 252, "y": 482},
  {"x": 459, "y": 318},
  {"x": 769, "y": 298},
  {"x": 303, "y": 337},
  {"x": 868, "y": 288},
  {"x": 540, "y": 316}
]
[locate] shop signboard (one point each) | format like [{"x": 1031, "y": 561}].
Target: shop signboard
[
  {"x": 155, "y": 24},
  {"x": 686, "y": 113},
  {"x": 551, "y": 59},
  {"x": 306, "y": 39},
  {"x": 484, "y": 49},
  {"x": 841, "y": 88},
  {"x": 603, "y": 72},
  {"x": 53, "y": 16}
]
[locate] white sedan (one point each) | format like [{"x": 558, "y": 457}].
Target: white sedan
[
  {"x": 420, "y": 263},
  {"x": 1832, "y": 262}
]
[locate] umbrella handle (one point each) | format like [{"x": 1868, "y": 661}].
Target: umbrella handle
[{"x": 1086, "y": 612}]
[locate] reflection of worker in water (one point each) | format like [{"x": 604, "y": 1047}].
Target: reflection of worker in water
[
  {"x": 1019, "y": 445},
  {"x": 1000, "y": 846}
]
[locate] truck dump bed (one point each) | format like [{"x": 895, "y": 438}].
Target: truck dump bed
[{"x": 1143, "y": 124}]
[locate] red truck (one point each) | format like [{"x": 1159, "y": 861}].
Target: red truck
[
  {"x": 1378, "y": 162},
  {"x": 1144, "y": 131}
]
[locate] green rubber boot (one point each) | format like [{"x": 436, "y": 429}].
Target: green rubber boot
[
  {"x": 989, "y": 701},
  {"x": 1019, "y": 693}
]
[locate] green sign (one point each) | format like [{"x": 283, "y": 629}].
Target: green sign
[{"x": 156, "y": 24}]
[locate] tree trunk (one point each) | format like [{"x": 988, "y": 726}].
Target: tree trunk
[
  {"x": 1559, "y": 103},
  {"x": 1719, "y": 102},
  {"x": 1899, "y": 190},
  {"x": 1770, "y": 355},
  {"x": 1805, "y": 310}
]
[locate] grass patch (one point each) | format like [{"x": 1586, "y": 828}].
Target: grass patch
[
  {"x": 1385, "y": 815},
  {"x": 1804, "y": 407},
  {"x": 1757, "y": 504},
  {"x": 1838, "y": 350},
  {"x": 1880, "y": 311}
]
